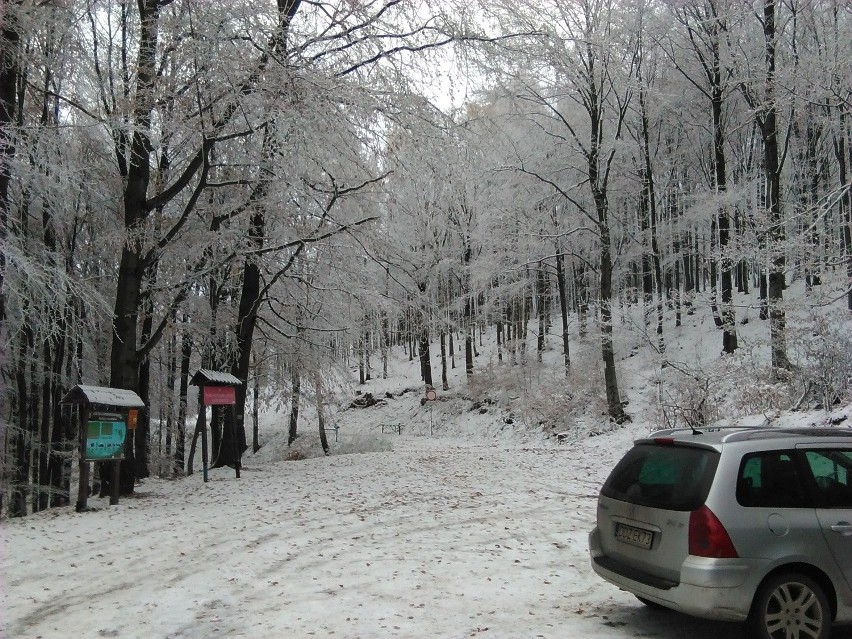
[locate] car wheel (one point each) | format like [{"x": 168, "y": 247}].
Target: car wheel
[
  {"x": 653, "y": 605},
  {"x": 790, "y": 606}
]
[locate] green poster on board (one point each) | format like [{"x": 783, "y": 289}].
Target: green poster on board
[{"x": 105, "y": 435}]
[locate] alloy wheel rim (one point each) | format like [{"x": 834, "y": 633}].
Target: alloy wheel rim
[{"x": 793, "y": 612}]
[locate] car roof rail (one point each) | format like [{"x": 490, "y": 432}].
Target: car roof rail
[
  {"x": 731, "y": 433},
  {"x": 792, "y": 431},
  {"x": 703, "y": 430}
]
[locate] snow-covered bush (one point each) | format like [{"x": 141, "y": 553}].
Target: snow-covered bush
[
  {"x": 824, "y": 362},
  {"x": 695, "y": 395},
  {"x": 307, "y": 446},
  {"x": 541, "y": 400}
]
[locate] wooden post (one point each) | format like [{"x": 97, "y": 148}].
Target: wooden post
[
  {"x": 237, "y": 453},
  {"x": 203, "y": 410},
  {"x": 83, "y": 488},
  {"x": 114, "y": 487}
]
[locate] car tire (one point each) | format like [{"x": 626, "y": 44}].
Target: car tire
[
  {"x": 653, "y": 605},
  {"x": 790, "y": 605}
]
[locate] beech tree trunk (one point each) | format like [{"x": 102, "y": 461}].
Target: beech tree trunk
[
  {"x": 767, "y": 120},
  {"x": 124, "y": 355},
  {"x": 321, "y": 414},
  {"x": 563, "y": 308},
  {"x": 296, "y": 382},
  {"x": 183, "y": 394}
]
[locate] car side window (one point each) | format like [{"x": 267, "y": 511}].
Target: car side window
[
  {"x": 771, "y": 479},
  {"x": 832, "y": 471}
]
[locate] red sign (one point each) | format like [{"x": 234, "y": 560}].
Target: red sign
[
  {"x": 219, "y": 395},
  {"x": 132, "y": 419}
]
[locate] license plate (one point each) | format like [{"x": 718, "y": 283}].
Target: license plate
[{"x": 634, "y": 536}]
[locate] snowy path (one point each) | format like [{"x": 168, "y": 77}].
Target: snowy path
[{"x": 437, "y": 539}]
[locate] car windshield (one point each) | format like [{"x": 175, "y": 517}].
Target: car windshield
[{"x": 667, "y": 477}]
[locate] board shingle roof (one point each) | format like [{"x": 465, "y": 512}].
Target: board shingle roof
[
  {"x": 214, "y": 377},
  {"x": 103, "y": 395}
]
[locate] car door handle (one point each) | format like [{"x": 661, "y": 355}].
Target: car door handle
[{"x": 843, "y": 527}]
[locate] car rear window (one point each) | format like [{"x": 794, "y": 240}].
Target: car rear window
[{"x": 663, "y": 476}]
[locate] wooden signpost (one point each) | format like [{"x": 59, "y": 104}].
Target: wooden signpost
[
  {"x": 105, "y": 417},
  {"x": 216, "y": 389}
]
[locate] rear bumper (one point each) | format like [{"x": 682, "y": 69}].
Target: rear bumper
[{"x": 709, "y": 588}]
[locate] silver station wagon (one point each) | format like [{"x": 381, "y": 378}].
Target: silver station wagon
[{"x": 737, "y": 524}]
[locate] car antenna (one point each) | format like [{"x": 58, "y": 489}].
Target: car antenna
[{"x": 694, "y": 430}]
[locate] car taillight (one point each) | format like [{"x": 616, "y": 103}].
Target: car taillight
[{"x": 708, "y": 537}]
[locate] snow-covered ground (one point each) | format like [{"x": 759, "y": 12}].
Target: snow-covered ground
[
  {"x": 468, "y": 524},
  {"x": 441, "y": 537},
  {"x": 438, "y": 538}
]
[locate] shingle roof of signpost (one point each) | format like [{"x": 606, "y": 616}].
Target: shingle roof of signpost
[
  {"x": 214, "y": 377},
  {"x": 118, "y": 397}
]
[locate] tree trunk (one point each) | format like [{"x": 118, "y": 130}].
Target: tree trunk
[
  {"x": 124, "y": 356},
  {"x": 563, "y": 308},
  {"x": 385, "y": 342},
  {"x": 21, "y": 438},
  {"x": 845, "y": 204},
  {"x": 296, "y": 381},
  {"x": 9, "y": 70},
  {"x": 321, "y": 415},
  {"x": 445, "y": 385},
  {"x": 769, "y": 130},
  {"x": 196, "y": 433},
  {"x": 542, "y": 310},
  {"x": 171, "y": 419},
  {"x": 61, "y": 445},
  {"x": 468, "y": 345},
  {"x": 234, "y": 439},
  {"x": 246, "y": 321},
  {"x": 183, "y": 393},
  {"x": 613, "y": 398},
  {"x": 255, "y": 414},
  {"x": 368, "y": 375},
  {"x": 688, "y": 272},
  {"x": 142, "y": 434},
  {"x": 714, "y": 278},
  {"x": 651, "y": 258},
  {"x": 425, "y": 357},
  {"x": 468, "y": 309},
  {"x": 598, "y": 185}
]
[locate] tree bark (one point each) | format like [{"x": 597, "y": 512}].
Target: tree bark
[
  {"x": 321, "y": 414},
  {"x": 729, "y": 320},
  {"x": 563, "y": 308},
  {"x": 183, "y": 394},
  {"x": 255, "y": 414},
  {"x": 124, "y": 354},
  {"x": 467, "y": 255},
  {"x": 542, "y": 310},
  {"x": 845, "y": 204},
  {"x": 21, "y": 438},
  {"x": 234, "y": 440},
  {"x": 9, "y": 70},
  {"x": 445, "y": 385},
  {"x": 296, "y": 381},
  {"x": 769, "y": 130},
  {"x": 598, "y": 185}
]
